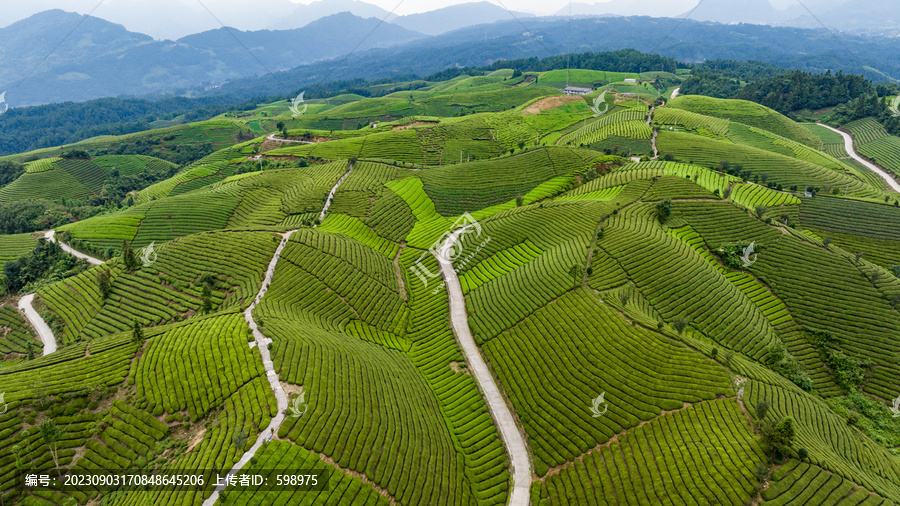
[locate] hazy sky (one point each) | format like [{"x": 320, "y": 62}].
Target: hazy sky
[
  {"x": 13, "y": 10},
  {"x": 172, "y": 19}
]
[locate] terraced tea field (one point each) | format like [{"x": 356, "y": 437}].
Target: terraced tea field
[
  {"x": 873, "y": 142},
  {"x": 468, "y": 299}
]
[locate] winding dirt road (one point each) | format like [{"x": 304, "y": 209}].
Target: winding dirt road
[
  {"x": 848, "y": 145},
  {"x": 509, "y": 431}
]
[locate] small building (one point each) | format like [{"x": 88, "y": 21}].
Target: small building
[
  {"x": 575, "y": 90},
  {"x": 631, "y": 81}
]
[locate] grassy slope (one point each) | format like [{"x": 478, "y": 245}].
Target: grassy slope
[{"x": 371, "y": 347}]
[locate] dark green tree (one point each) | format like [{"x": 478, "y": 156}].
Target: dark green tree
[
  {"x": 206, "y": 297},
  {"x": 129, "y": 258},
  {"x": 576, "y": 272},
  {"x": 103, "y": 282},
  {"x": 137, "y": 333},
  {"x": 51, "y": 434},
  {"x": 664, "y": 210}
]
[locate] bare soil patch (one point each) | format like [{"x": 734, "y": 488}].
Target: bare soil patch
[{"x": 548, "y": 103}]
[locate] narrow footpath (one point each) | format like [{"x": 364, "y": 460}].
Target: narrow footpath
[
  {"x": 261, "y": 342},
  {"x": 331, "y": 194},
  {"x": 848, "y": 146},
  {"x": 509, "y": 431},
  {"x": 655, "y": 133}
]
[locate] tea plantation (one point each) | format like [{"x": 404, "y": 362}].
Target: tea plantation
[{"x": 715, "y": 321}]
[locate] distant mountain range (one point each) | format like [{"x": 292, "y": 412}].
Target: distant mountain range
[
  {"x": 688, "y": 41},
  {"x": 174, "y": 19},
  {"x": 104, "y": 59},
  {"x": 861, "y": 16}
]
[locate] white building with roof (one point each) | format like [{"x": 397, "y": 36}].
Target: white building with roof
[{"x": 575, "y": 90}]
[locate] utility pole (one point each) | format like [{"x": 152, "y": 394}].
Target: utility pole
[{"x": 568, "y": 44}]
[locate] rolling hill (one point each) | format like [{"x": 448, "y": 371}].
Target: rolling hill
[{"x": 476, "y": 292}]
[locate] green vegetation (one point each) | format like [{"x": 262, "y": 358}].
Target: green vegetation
[
  {"x": 876, "y": 144},
  {"x": 19, "y": 338},
  {"x": 748, "y": 113},
  {"x": 647, "y": 352}
]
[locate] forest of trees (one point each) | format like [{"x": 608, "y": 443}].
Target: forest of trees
[
  {"x": 623, "y": 60},
  {"x": 796, "y": 91},
  {"x": 33, "y": 215},
  {"x": 865, "y": 106},
  {"x": 29, "y": 128},
  {"x": 801, "y": 90},
  {"x": 46, "y": 263},
  {"x": 9, "y": 171}
]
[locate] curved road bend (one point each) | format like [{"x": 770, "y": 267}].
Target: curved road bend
[
  {"x": 40, "y": 326},
  {"x": 45, "y": 334},
  {"x": 49, "y": 235},
  {"x": 509, "y": 431},
  {"x": 848, "y": 145},
  {"x": 272, "y": 137}
]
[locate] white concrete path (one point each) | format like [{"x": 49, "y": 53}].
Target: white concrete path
[
  {"x": 49, "y": 235},
  {"x": 25, "y": 303},
  {"x": 331, "y": 194},
  {"x": 40, "y": 326},
  {"x": 848, "y": 145},
  {"x": 262, "y": 343},
  {"x": 509, "y": 431},
  {"x": 272, "y": 137}
]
